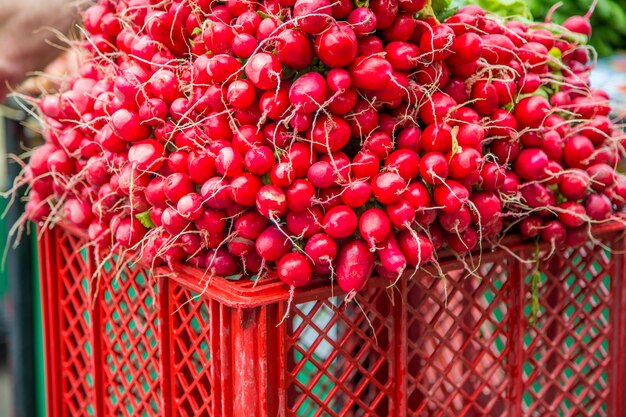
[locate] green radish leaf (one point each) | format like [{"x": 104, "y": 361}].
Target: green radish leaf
[
  {"x": 535, "y": 280},
  {"x": 263, "y": 15},
  {"x": 234, "y": 277},
  {"x": 455, "y": 142},
  {"x": 534, "y": 297},
  {"x": 197, "y": 31},
  {"x": 145, "y": 220}
]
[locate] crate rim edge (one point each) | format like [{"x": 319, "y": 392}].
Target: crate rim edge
[{"x": 248, "y": 294}]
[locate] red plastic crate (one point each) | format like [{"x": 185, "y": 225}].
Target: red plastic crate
[{"x": 129, "y": 344}]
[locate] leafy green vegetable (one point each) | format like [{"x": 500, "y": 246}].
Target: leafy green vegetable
[
  {"x": 144, "y": 218},
  {"x": 504, "y": 8}
]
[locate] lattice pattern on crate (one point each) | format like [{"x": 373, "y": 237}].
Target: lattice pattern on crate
[
  {"x": 76, "y": 322},
  {"x": 567, "y": 351},
  {"x": 191, "y": 354},
  {"x": 339, "y": 363},
  {"x": 130, "y": 345},
  {"x": 458, "y": 343}
]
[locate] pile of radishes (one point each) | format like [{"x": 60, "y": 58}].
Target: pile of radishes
[{"x": 309, "y": 138}]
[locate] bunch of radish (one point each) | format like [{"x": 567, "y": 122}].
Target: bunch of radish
[{"x": 307, "y": 138}]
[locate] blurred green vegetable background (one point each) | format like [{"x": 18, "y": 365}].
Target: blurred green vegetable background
[{"x": 608, "y": 19}]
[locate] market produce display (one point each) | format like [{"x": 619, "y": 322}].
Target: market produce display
[{"x": 304, "y": 138}]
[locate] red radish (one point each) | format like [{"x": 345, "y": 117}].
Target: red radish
[
  {"x": 218, "y": 37},
  {"x": 385, "y": 11},
  {"x": 282, "y": 174},
  {"x": 404, "y": 162},
  {"x": 463, "y": 242},
  {"x": 240, "y": 247},
  {"x": 322, "y": 250},
  {"x": 272, "y": 244},
  {"x": 437, "y": 42},
  {"x": 308, "y": 92},
  {"x": 128, "y": 126},
  {"x": 388, "y": 187},
  {"x": 571, "y": 214},
  {"x": 271, "y": 202},
  {"x": 129, "y": 232},
  {"x": 435, "y": 108},
  {"x": 401, "y": 29},
  {"x": 374, "y": 226},
  {"x": 356, "y": 193},
  {"x": 416, "y": 248},
  {"x": 244, "y": 45},
  {"x": 574, "y": 184},
  {"x": 244, "y": 187},
  {"x": 391, "y": 256},
  {"x": 598, "y": 207},
  {"x": 485, "y": 95},
  {"x": 531, "y": 111},
  {"x": 215, "y": 193},
  {"x": 305, "y": 223},
  {"x": 492, "y": 176},
  {"x": 531, "y": 226},
  {"x": 338, "y": 79},
  {"x": 369, "y": 45},
  {"x": 336, "y": 47},
  {"x": 241, "y": 94},
  {"x": 450, "y": 196},
  {"x": 248, "y": 226},
  {"x": 264, "y": 70},
  {"x": 455, "y": 222},
  {"x": 468, "y": 47},
  {"x": 365, "y": 165},
  {"x": 410, "y": 138},
  {"x": 370, "y": 72},
  {"x": 434, "y": 168},
  {"x": 577, "y": 151},
  {"x": 577, "y": 236},
  {"x": 294, "y": 269},
  {"x": 340, "y": 222},
  {"x": 401, "y": 214},
  {"x": 536, "y": 195},
  {"x": 329, "y": 134},
  {"x": 319, "y": 9},
  {"x": 340, "y": 163},
  {"x": 78, "y": 212},
  {"x": 221, "y": 263},
  {"x": 274, "y": 103},
  {"x": 531, "y": 164},
  {"x": 379, "y": 143},
  {"x": 321, "y": 174},
  {"x": 173, "y": 222},
  {"x": 229, "y": 162},
  {"x": 486, "y": 208},
  {"x": 601, "y": 175},
  {"x": 363, "y": 20},
  {"x": 355, "y": 264},
  {"x": 412, "y": 6},
  {"x": 464, "y": 163},
  {"x": 190, "y": 206},
  {"x": 578, "y": 24},
  {"x": 300, "y": 195},
  {"x": 437, "y": 138},
  {"x": 417, "y": 195},
  {"x": 147, "y": 155},
  {"x": 259, "y": 160},
  {"x": 554, "y": 232}
]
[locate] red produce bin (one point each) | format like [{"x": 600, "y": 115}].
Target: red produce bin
[{"x": 130, "y": 344}]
